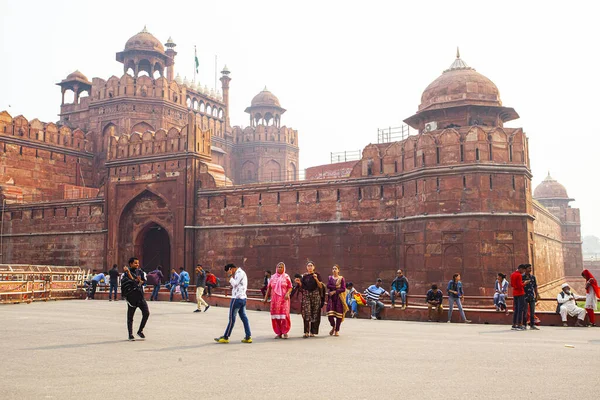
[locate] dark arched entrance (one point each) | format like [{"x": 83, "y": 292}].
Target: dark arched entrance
[{"x": 154, "y": 248}]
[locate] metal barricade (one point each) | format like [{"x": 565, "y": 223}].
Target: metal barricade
[{"x": 20, "y": 283}]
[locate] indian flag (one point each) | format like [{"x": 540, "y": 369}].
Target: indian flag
[{"x": 196, "y": 59}]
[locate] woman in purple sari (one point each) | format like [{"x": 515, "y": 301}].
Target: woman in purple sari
[{"x": 336, "y": 304}]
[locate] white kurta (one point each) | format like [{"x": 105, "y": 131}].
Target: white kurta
[{"x": 569, "y": 307}]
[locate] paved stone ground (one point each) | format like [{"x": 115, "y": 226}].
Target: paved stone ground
[{"x": 77, "y": 349}]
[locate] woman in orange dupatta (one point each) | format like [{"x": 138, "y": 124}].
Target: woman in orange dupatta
[
  {"x": 336, "y": 304},
  {"x": 279, "y": 288}
]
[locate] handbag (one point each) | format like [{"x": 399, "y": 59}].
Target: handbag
[{"x": 360, "y": 299}]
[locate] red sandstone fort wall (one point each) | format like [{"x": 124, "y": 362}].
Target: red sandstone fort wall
[
  {"x": 548, "y": 261},
  {"x": 56, "y": 233},
  {"x": 429, "y": 232},
  {"x": 42, "y": 158}
]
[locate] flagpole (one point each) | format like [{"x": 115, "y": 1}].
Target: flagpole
[
  {"x": 215, "y": 74},
  {"x": 195, "y": 67}
]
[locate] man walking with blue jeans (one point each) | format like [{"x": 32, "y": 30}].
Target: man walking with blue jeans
[{"x": 239, "y": 284}]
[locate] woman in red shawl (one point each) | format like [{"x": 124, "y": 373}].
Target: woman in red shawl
[
  {"x": 592, "y": 295},
  {"x": 279, "y": 288}
]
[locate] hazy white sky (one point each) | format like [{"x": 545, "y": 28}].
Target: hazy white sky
[{"x": 341, "y": 68}]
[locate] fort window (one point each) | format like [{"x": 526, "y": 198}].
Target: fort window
[
  {"x": 78, "y": 211},
  {"x": 65, "y": 158},
  {"x": 36, "y": 153},
  {"x": 395, "y": 166},
  {"x": 297, "y": 197},
  {"x": 402, "y": 191},
  {"x": 20, "y": 150},
  {"x": 477, "y": 154},
  {"x": 423, "y": 159},
  {"x": 510, "y": 152},
  {"x": 464, "y": 182},
  {"x": 208, "y": 202},
  {"x": 490, "y": 150},
  {"x": 514, "y": 185},
  {"x": 403, "y": 161},
  {"x": 359, "y": 194},
  {"x": 437, "y": 184},
  {"x": 462, "y": 152},
  {"x": 338, "y": 195},
  {"x": 242, "y": 201},
  {"x": 279, "y": 198},
  {"x": 381, "y": 191},
  {"x": 318, "y": 197},
  {"x": 491, "y": 182},
  {"x": 416, "y": 187},
  {"x": 381, "y": 165},
  {"x": 225, "y": 202},
  {"x": 260, "y": 199},
  {"x": 437, "y": 155}
]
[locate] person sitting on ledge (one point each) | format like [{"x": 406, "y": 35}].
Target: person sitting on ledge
[
  {"x": 501, "y": 287},
  {"x": 434, "y": 302},
  {"x": 399, "y": 287},
  {"x": 567, "y": 305},
  {"x": 373, "y": 293},
  {"x": 350, "y": 300}
]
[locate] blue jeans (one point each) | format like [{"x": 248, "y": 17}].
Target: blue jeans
[
  {"x": 376, "y": 307},
  {"x": 173, "y": 287},
  {"x": 393, "y": 295},
  {"x": 154, "y": 295},
  {"x": 113, "y": 286},
  {"x": 518, "y": 309},
  {"x": 237, "y": 306},
  {"x": 451, "y": 301},
  {"x": 184, "y": 293},
  {"x": 353, "y": 306}
]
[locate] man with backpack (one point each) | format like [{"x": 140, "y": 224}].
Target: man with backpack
[
  {"x": 155, "y": 278},
  {"x": 184, "y": 282},
  {"x": 131, "y": 288}
]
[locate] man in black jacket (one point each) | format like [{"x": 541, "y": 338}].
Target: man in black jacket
[
  {"x": 114, "y": 282},
  {"x": 133, "y": 291}
]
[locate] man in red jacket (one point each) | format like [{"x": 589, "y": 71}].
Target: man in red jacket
[{"x": 518, "y": 286}]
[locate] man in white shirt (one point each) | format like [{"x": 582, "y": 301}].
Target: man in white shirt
[
  {"x": 568, "y": 305},
  {"x": 239, "y": 285}
]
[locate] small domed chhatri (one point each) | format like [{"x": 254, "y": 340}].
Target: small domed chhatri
[
  {"x": 144, "y": 40},
  {"x": 265, "y": 99},
  {"x": 460, "y": 84},
  {"x": 459, "y": 97},
  {"x": 77, "y": 75},
  {"x": 550, "y": 188}
]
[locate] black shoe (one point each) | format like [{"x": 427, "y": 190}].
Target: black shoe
[
  {"x": 131, "y": 338},
  {"x": 197, "y": 310},
  {"x": 207, "y": 307},
  {"x": 141, "y": 335}
]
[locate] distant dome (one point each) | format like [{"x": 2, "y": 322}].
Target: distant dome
[
  {"x": 550, "y": 189},
  {"x": 144, "y": 41},
  {"x": 76, "y": 75},
  {"x": 265, "y": 99},
  {"x": 460, "y": 85}
]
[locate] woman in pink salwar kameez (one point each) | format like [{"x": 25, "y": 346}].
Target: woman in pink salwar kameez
[{"x": 279, "y": 288}]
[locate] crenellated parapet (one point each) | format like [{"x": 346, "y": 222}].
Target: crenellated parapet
[
  {"x": 446, "y": 148},
  {"x": 262, "y": 133},
  {"x": 36, "y": 133},
  {"x": 161, "y": 142}
]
